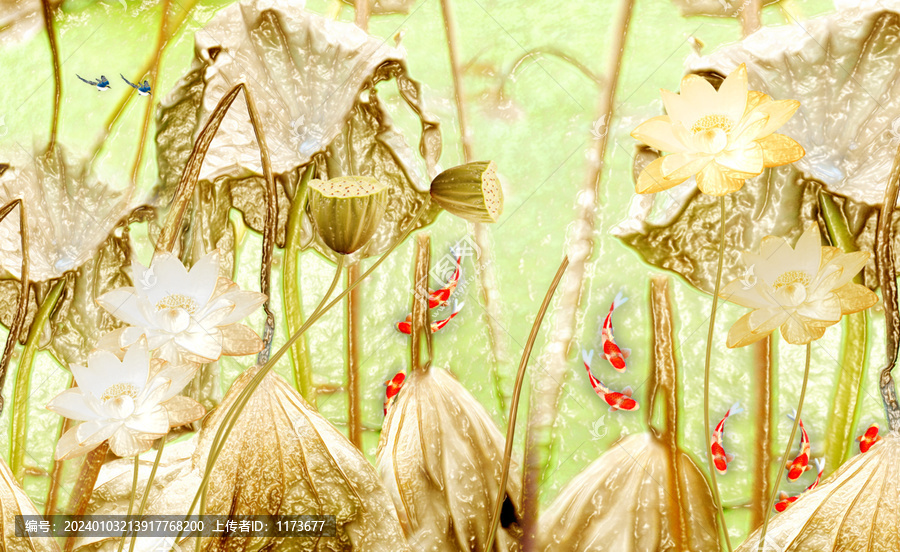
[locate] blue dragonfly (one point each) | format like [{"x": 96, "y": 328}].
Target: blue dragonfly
[
  {"x": 102, "y": 84},
  {"x": 143, "y": 89}
]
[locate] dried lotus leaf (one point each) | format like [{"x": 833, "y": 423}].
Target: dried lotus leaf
[
  {"x": 621, "y": 502},
  {"x": 14, "y": 502},
  {"x": 854, "y": 509}
]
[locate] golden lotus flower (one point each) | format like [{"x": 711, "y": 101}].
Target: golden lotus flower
[
  {"x": 722, "y": 137},
  {"x": 855, "y": 509},
  {"x": 802, "y": 289},
  {"x": 347, "y": 210},
  {"x": 471, "y": 191},
  {"x": 14, "y": 502},
  {"x": 440, "y": 455},
  {"x": 622, "y": 501}
]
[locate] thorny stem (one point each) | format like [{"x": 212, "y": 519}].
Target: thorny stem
[
  {"x": 293, "y": 306},
  {"x": 354, "y": 419},
  {"x": 787, "y": 451},
  {"x": 887, "y": 278},
  {"x": 514, "y": 405},
  {"x": 547, "y": 389},
  {"x": 706, "y": 365},
  {"x": 19, "y": 421},
  {"x": 140, "y": 512},
  {"x": 22, "y": 306},
  {"x": 481, "y": 235},
  {"x": 57, "y": 77},
  {"x": 134, "y": 481}
]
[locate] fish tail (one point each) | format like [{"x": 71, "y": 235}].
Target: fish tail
[
  {"x": 619, "y": 300},
  {"x": 735, "y": 409},
  {"x": 820, "y": 464},
  {"x": 587, "y": 356}
]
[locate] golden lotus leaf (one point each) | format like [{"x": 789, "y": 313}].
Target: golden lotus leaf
[
  {"x": 624, "y": 501},
  {"x": 440, "y": 456},
  {"x": 854, "y": 509},
  {"x": 14, "y": 502}
]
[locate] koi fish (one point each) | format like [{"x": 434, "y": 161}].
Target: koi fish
[
  {"x": 611, "y": 351},
  {"x": 785, "y": 500},
  {"x": 801, "y": 462},
  {"x": 440, "y": 297},
  {"x": 869, "y": 438},
  {"x": 393, "y": 386},
  {"x": 406, "y": 325},
  {"x": 616, "y": 401},
  {"x": 721, "y": 459}
]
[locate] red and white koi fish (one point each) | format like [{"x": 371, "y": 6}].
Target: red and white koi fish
[
  {"x": 869, "y": 438},
  {"x": 406, "y": 325},
  {"x": 393, "y": 386},
  {"x": 616, "y": 401},
  {"x": 785, "y": 500},
  {"x": 721, "y": 459},
  {"x": 611, "y": 351},
  {"x": 440, "y": 297},
  {"x": 801, "y": 462}
]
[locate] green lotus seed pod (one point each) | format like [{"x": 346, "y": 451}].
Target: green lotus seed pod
[
  {"x": 471, "y": 191},
  {"x": 347, "y": 210}
]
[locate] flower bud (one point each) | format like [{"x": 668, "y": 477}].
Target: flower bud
[
  {"x": 471, "y": 191},
  {"x": 347, "y": 210}
]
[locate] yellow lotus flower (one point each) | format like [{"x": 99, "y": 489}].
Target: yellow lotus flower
[
  {"x": 802, "y": 289},
  {"x": 721, "y": 137}
]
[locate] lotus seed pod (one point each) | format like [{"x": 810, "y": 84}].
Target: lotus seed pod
[
  {"x": 347, "y": 210},
  {"x": 471, "y": 191}
]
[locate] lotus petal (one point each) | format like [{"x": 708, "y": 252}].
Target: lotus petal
[
  {"x": 14, "y": 502},
  {"x": 622, "y": 501},
  {"x": 854, "y": 509},
  {"x": 440, "y": 456}
]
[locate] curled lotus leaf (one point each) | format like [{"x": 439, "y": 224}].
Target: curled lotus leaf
[
  {"x": 854, "y": 509},
  {"x": 70, "y": 212},
  {"x": 841, "y": 67},
  {"x": 440, "y": 455},
  {"x": 621, "y": 501},
  {"x": 284, "y": 458},
  {"x": 312, "y": 80},
  {"x": 14, "y": 502},
  {"x": 9, "y": 303}
]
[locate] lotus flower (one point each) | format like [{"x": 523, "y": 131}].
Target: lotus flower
[
  {"x": 622, "y": 501},
  {"x": 125, "y": 401},
  {"x": 186, "y": 316},
  {"x": 14, "y": 502},
  {"x": 854, "y": 509},
  {"x": 69, "y": 213},
  {"x": 722, "y": 137},
  {"x": 440, "y": 457},
  {"x": 802, "y": 289}
]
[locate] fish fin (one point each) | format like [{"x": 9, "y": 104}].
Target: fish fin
[
  {"x": 625, "y": 353},
  {"x": 627, "y": 391},
  {"x": 619, "y": 300},
  {"x": 782, "y": 495},
  {"x": 613, "y": 408},
  {"x": 735, "y": 409},
  {"x": 729, "y": 457},
  {"x": 587, "y": 356}
]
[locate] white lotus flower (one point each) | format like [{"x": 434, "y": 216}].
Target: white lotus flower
[
  {"x": 124, "y": 401},
  {"x": 186, "y": 316},
  {"x": 802, "y": 289}
]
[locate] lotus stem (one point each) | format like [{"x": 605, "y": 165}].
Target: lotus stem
[
  {"x": 750, "y": 16},
  {"x": 514, "y": 405},
  {"x": 22, "y": 305},
  {"x": 56, "y": 474},
  {"x": 546, "y": 391},
  {"x": 887, "y": 279},
  {"x": 848, "y": 392},
  {"x": 706, "y": 365},
  {"x": 293, "y": 305},
  {"x": 762, "y": 456},
  {"x": 363, "y": 11},
  {"x": 161, "y": 38},
  {"x": 784, "y": 458},
  {"x": 420, "y": 324},
  {"x": 487, "y": 280},
  {"x": 134, "y": 481},
  {"x": 140, "y": 512},
  {"x": 352, "y": 324},
  {"x": 19, "y": 421},
  {"x": 84, "y": 486},
  {"x": 57, "y": 77}
]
